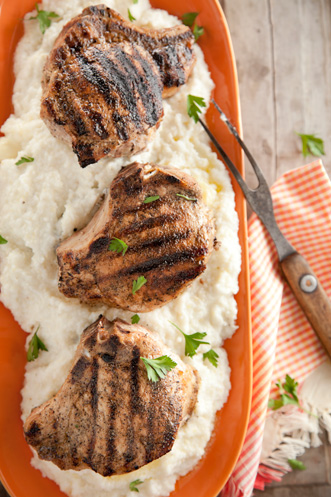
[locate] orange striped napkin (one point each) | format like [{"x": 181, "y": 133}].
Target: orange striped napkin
[{"x": 283, "y": 341}]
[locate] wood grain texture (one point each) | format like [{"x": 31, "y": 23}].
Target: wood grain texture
[
  {"x": 316, "y": 304},
  {"x": 291, "y": 41}
]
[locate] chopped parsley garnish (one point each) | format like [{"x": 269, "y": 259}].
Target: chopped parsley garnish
[
  {"x": 212, "y": 357},
  {"x": 288, "y": 394},
  {"x": 312, "y": 145},
  {"x": 158, "y": 368},
  {"x": 148, "y": 200},
  {"x": 186, "y": 198},
  {"x": 134, "y": 1},
  {"x": 133, "y": 484},
  {"x": 135, "y": 319},
  {"x": 193, "y": 106},
  {"x": 192, "y": 341},
  {"x": 117, "y": 245},
  {"x": 24, "y": 159},
  {"x": 3, "y": 240},
  {"x": 131, "y": 16},
  {"x": 35, "y": 345},
  {"x": 295, "y": 464},
  {"x": 189, "y": 18},
  {"x": 137, "y": 284},
  {"x": 44, "y": 18},
  {"x": 198, "y": 31}
]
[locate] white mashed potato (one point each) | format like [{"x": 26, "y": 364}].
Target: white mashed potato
[{"x": 43, "y": 201}]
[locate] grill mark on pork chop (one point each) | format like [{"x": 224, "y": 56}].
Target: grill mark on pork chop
[
  {"x": 79, "y": 369},
  {"x": 156, "y": 242},
  {"x": 165, "y": 260},
  {"x": 174, "y": 281},
  {"x": 94, "y": 408},
  {"x": 119, "y": 77},
  {"x": 152, "y": 105},
  {"x": 149, "y": 223}
]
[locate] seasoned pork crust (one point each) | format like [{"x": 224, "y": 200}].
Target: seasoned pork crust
[
  {"x": 169, "y": 241},
  {"x": 104, "y": 80},
  {"x": 108, "y": 416}
]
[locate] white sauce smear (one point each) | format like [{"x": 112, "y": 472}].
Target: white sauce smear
[{"x": 43, "y": 201}]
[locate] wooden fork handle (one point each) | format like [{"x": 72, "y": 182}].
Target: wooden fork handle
[{"x": 310, "y": 295}]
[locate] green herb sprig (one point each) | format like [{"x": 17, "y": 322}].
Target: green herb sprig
[
  {"x": 295, "y": 464},
  {"x": 131, "y": 18},
  {"x": 288, "y": 394},
  {"x": 148, "y": 200},
  {"x": 24, "y": 159},
  {"x": 133, "y": 485},
  {"x": 158, "y": 368},
  {"x": 193, "y": 106},
  {"x": 212, "y": 357},
  {"x": 189, "y": 19},
  {"x": 138, "y": 283},
  {"x": 35, "y": 345},
  {"x": 312, "y": 145},
  {"x": 117, "y": 245},
  {"x": 44, "y": 18},
  {"x": 192, "y": 199},
  {"x": 135, "y": 319},
  {"x": 192, "y": 342},
  {"x": 3, "y": 240}
]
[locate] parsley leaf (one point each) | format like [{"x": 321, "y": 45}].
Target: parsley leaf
[
  {"x": 287, "y": 395},
  {"x": 135, "y": 319},
  {"x": 117, "y": 245},
  {"x": 137, "y": 284},
  {"x": 311, "y": 145},
  {"x": 212, "y": 357},
  {"x": 24, "y": 159},
  {"x": 192, "y": 341},
  {"x": 3, "y": 240},
  {"x": 133, "y": 485},
  {"x": 35, "y": 345},
  {"x": 134, "y": 1},
  {"x": 295, "y": 464},
  {"x": 148, "y": 200},
  {"x": 189, "y": 18},
  {"x": 158, "y": 368},
  {"x": 193, "y": 106},
  {"x": 44, "y": 18},
  {"x": 186, "y": 198},
  {"x": 131, "y": 16},
  {"x": 198, "y": 31}
]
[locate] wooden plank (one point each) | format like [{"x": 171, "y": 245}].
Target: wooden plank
[
  {"x": 302, "y": 57},
  {"x": 249, "y": 25},
  {"x": 300, "y": 491}
]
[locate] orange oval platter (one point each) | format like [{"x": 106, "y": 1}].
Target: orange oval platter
[{"x": 212, "y": 472}]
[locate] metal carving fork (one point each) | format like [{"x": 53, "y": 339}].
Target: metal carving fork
[{"x": 299, "y": 275}]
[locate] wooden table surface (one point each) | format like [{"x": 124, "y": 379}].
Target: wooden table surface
[{"x": 283, "y": 53}]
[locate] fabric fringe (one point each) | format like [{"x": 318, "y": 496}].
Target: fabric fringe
[{"x": 289, "y": 431}]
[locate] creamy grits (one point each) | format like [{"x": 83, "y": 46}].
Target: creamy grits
[{"x": 43, "y": 201}]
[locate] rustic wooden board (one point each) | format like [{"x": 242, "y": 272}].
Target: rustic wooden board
[{"x": 283, "y": 53}]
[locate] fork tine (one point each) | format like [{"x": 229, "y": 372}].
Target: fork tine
[
  {"x": 227, "y": 160},
  {"x": 249, "y": 156}
]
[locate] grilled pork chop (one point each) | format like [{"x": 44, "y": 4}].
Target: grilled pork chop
[
  {"x": 104, "y": 78},
  {"x": 169, "y": 241},
  {"x": 106, "y": 101},
  {"x": 108, "y": 416}
]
